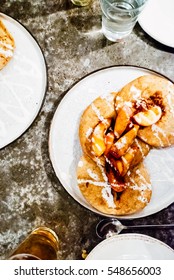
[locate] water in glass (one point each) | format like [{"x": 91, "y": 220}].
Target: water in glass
[{"x": 119, "y": 17}]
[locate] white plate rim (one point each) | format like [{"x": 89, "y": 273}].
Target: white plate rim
[
  {"x": 50, "y": 139},
  {"x": 45, "y": 70},
  {"x": 142, "y": 22},
  {"x": 129, "y": 237}
]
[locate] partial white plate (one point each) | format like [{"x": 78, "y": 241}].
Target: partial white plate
[
  {"x": 157, "y": 20},
  {"x": 131, "y": 247},
  {"x": 64, "y": 146},
  {"x": 22, "y": 84}
]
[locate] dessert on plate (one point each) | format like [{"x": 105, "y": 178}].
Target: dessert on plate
[{"x": 116, "y": 133}]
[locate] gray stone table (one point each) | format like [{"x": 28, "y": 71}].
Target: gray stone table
[{"x": 30, "y": 193}]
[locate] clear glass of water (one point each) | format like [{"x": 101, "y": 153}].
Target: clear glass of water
[{"x": 119, "y": 17}]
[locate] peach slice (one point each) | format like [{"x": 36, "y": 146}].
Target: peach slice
[
  {"x": 149, "y": 117},
  {"x": 117, "y": 184},
  {"x": 120, "y": 147},
  {"x": 98, "y": 139},
  {"x": 122, "y": 120},
  {"x": 122, "y": 165},
  {"x": 127, "y": 159},
  {"x": 117, "y": 165},
  {"x": 109, "y": 140}
]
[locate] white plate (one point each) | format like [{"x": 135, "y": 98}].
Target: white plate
[
  {"x": 131, "y": 247},
  {"x": 22, "y": 84},
  {"x": 157, "y": 20},
  {"x": 64, "y": 146}
]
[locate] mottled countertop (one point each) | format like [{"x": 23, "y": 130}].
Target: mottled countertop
[{"x": 30, "y": 193}]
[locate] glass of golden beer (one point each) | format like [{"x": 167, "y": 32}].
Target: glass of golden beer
[{"x": 42, "y": 243}]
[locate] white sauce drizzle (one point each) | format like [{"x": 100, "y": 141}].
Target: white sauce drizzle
[
  {"x": 8, "y": 46},
  {"x": 106, "y": 192},
  {"x": 170, "y": 104},
  {"x": 156, "y": 129},
  {"x": 120, "y": 103},
  {"x": 108, "y": 161},
  {"x": 97, "y": 112},
  {"x": 128, "y": 103},
  {"x": 121, "y": 143},
  {"x": 6, "y": 53},
  {"x": 116, "y": 134},
  {"x": 108, "y": 98},
  {"x": 142, "y": 199},
  {"x": 140, "y": 148},
  {"x": 135, "y": 91},
  {"x": 105, "y": 178},
  {"x": 96, "y": 183},
  {"x": 141, "y": 188},
  {"x": 92, "y": 174},
  {"x": 80, "y": 163},
  {"x": 143, "y": 179},
  {"x": 88, "y": 132},
  {"x": 107, "y": 195},
  {"x": 124, "y": 160}
]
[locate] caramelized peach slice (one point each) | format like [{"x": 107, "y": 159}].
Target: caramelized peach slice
[
  {"x": 98, "y": 139},
  {"x": 122, "y": 120},
  {"x": 127, "y": 160},
  {"x": 122, "y": 165},
  {"x": 149, "y": 117},
  {"x": 120, "y": 148},
  {"x": 118, "y": 165},
  {"x": 109, "y": 140},
  {"x": 116, "y": 183}
]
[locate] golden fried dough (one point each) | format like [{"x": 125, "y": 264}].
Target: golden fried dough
[
  {"x": 159, "y": 92},
  {"x": 7, "y": 45},
  {"x": 93, "y": 183}
]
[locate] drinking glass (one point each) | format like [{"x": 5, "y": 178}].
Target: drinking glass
[
  {"x": 119, "y": 17},
  {"x": 42, "y": 243}
]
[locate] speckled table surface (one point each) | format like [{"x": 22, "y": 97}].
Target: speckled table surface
[{"x": 30, "y": 193}]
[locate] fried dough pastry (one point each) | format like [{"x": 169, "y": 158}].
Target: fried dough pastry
[
  {"x": 94, "y": 185},
  {"x": 154, "y": 97},
  {"x": 7, "y": 45},
  {"x": 116, "y": 134}
]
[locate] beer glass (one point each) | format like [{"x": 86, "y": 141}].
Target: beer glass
[{"x": 42, "y": 243}]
